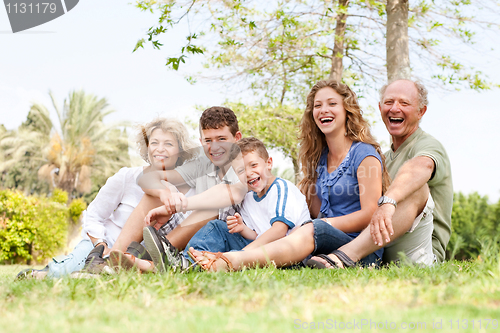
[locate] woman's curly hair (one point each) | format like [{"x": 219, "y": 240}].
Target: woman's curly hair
[
  {"x": 313, "y": 141},
  {"x": 187, "y": 148}
]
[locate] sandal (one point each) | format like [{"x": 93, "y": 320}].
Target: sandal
[
  {"x": 208, "y": 266},
  {"x": 348, "y": 262},
  {"x": 312, "y": 263}
]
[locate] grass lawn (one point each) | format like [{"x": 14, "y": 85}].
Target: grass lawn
[{"x": 465, "y": 294}]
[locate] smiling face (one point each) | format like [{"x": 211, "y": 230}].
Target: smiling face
[
  {"x": 328, "y": 111},
  {"x": 258, "y": 171},
  {"x": 217, "y": 144},
  {"x": 400, "y": 110},
  {"x": 163, "y": 149}
]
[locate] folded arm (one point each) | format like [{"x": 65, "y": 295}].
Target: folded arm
[{"x": 414, "y": 174}]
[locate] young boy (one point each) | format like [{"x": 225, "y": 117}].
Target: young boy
[
  {"x": 211, "y": 174},
  {"x": 269, "y": 211}
]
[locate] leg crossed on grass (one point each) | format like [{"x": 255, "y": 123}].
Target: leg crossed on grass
[
  {"x": 285, "y": 251},
  {"x": 402, "y": 221},
  {"x": 179, "y": 237}
]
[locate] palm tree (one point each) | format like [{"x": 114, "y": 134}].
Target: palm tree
[{"x": 80, "y": 146}]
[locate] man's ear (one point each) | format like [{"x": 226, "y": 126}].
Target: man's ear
[
  {"x": 238, "y": 136},
  {"x": 422, "y": 111}
]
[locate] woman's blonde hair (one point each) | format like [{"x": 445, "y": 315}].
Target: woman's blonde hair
[
  {"x": 313, "y": 142},
  {"x": 187, "y": 148}
]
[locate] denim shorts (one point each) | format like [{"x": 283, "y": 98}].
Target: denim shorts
[{"x": 328, "y": 239}]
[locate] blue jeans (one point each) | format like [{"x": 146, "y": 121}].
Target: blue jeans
[
  {"x": 328, "y": 238},
  {"x": 64, "y": 265},
  {"x": 215, "y": 237}
]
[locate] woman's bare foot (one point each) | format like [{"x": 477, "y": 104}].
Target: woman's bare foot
[{"x": 335, "y": 259}]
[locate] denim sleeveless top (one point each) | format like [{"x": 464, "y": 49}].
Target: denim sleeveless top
[{"x": 339, "y": 190}]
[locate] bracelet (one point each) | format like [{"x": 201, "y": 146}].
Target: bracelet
[{"x": 99, "y": 241}]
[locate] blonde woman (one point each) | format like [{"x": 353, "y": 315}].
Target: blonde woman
[{"x": 164, "y": 144}]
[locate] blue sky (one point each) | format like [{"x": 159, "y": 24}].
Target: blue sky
[{"x": 91, "y": 46}]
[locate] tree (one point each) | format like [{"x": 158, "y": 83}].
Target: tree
[
  {"x": 398, "y": 52},
  {"x": 247, "y": 37},
  {"x": 68, "y": 153},
  {"x": 275, "y": 126},
  {"x": 21, "y": 157},
  {"x": 280, "y": 50}
]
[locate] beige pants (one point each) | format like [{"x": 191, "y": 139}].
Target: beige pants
[{"x": 416, "y": 243}]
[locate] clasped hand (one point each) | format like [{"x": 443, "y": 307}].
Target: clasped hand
[
  {"x": 381, "y": 224},
  {"x": 235, "y": 223},
  {"x": 174, "y": 202}
]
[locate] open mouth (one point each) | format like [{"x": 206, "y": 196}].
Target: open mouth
[
  {"x": 254, "y": 181},
  {"x": 160, "y": 157},
  {"x": 217, "y": 154},
  {"x": 395, "y": 120},
  {"x": 326, "y": 120}
]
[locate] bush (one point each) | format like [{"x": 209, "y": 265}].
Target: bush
[
  {"x": 475, "y": 226},
  {"x": 32, "y": 227},
  {"x": 59, "y": 195},
  {"x": 76, "y": 207}
]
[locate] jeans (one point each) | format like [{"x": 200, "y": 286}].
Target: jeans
[
  {"x": 328, "y": 239},
  {"x": 215, "y": 237},
  {"x": 75, "y": 261}
]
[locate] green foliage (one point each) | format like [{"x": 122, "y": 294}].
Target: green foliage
[
  {"x": 475, "y": 226},
  {"x": 59, "y": 196},
  {"x": 279, "y": 50},
  {"x": 31, "y": 227},
  {"x": 74, "y": 155},
  {"x": 76, "y": 207}
]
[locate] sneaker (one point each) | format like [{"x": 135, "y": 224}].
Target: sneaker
[
  {"x": 95, "y": 263},
  {"x": 31, "y": 273},
  {"x": 163, "y": 253}
]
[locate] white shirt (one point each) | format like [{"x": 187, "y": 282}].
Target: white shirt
[
  {"x": 282, "y": 202},
  {"x": 107, "y": 213}
]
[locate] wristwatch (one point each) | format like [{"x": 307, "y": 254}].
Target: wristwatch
[
  {"x": 383, "y": 200},
  {"x": 99, "y": 241}
]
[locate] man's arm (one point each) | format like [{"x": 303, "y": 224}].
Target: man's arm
[
  {"x": 219, "y": 196},
  {"x": 414, "y": 174},
  {"x": 153, "y": 182},
  {"x": 278, "y": 230}
]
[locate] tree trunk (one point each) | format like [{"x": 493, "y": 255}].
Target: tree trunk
[
  {"x": 338, "y": 48},
  {"x": 398, "y": 53},
  {"x": 296, "y": 170}
]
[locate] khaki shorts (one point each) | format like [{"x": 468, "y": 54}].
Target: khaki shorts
[{"x": 416, "y": 243}]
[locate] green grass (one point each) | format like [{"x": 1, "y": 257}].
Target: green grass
[{"x": 263, "y": 300}]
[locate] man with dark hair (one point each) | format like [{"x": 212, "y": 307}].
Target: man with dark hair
[{"x": 213, "y": 174}]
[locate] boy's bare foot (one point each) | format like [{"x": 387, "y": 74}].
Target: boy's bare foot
[{"x": 209, "y": 261}]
